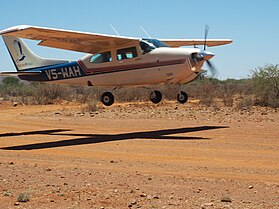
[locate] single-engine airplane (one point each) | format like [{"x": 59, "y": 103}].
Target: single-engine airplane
[{"x": 113, "y": 61}]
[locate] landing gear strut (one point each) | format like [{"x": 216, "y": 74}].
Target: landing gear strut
[
  {"x": 182, "y": 97},
  {"x": 107, "y": 98},
  {"x": 156, "y": 96}
]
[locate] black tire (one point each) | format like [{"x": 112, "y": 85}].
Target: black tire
[
  {"x": 182, "y": 97},
  {"x": 107, "y": 98},
  {"x": 156, "y": 96}
]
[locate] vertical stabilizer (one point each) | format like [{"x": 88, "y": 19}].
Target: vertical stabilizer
[{"x": 23, "y": 57}]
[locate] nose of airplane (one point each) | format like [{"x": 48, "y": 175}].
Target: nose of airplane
[{"x": 206, "y": 55}]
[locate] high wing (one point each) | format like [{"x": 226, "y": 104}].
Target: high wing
[
  {"x": 70, "y": 40},
  {"x": 91, "y": 42},
  {"x": 195, "y": 42}
]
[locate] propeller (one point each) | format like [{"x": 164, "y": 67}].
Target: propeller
[
  {"x": 212, "y": 68},
  {"x": 206, "y": 29},
  {"x": 207, "y": 55}
]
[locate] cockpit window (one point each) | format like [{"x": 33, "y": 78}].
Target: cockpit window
[{"x": 101, "y": 57}]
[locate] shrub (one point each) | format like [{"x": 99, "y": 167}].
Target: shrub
[
  {"x": 261, "y": 89},
  {"x": 266, "y": 85},
  {"x": 23, "y": 197},
  {"x": 90, "y": 106},
  {"x": 7, "y": 193},
  {"x": 246, "y": 103},
  {"x": 12, "y": 81},
  {"x": 131, "y": 94},
  {"x": 210, "y": 91},
  {"x": 226, "y": 199},
  {"x": 11, "y": 86}
]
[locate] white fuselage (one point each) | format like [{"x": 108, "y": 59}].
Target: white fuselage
[{"x": 161, "y": 65}]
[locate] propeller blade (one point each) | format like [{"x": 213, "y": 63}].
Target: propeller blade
[
  {"x": 206, "y": 29},
  {"x": 212, "y": 68}
]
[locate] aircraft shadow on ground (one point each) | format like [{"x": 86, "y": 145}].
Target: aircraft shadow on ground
[
  {"x": 99, "y": 138},
  {"x": 47, "y": 132}
]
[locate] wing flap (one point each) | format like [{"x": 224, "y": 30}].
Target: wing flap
[
  {"x": 195, "y": 42},
  {"x": 92, "y": 49}
]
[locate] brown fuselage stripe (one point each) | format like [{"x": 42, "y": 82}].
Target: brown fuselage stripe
[{"x": 130, "y": 67}]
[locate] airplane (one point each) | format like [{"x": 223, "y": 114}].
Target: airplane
[{"x": 111, "y": 61}]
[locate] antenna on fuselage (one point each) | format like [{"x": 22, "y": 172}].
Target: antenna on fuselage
[
  {"x": 113, "y": 28},
  {"x": 145, "y": 31}
]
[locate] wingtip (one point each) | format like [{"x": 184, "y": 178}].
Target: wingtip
[{"x": 14, "y": 29}]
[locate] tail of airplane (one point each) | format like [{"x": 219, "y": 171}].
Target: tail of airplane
[{"x": 23, "y": 57}]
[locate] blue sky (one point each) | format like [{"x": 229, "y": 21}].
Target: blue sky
[{"x": 253, "y": 26}]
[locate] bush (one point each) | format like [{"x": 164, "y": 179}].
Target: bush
[
  {"x": 44, "y": 93},
  {"x": 90, "y": 106},
  {"x": 261, "y": 89},
  {"x": 246, "y": 103},
  {"x": 266, "y": 85},
  {"x": 23, "y": 198},
  {"x": 11, "y": 86},
  {"x": 12, "y": 81},
  {"x": 12, "y": 89},
  {"x": 211, "y": 90}
]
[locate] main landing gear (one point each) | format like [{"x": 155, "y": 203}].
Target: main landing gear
[
  {"x": 156, "y": 97},
  {"x": 107, "y": 98}
]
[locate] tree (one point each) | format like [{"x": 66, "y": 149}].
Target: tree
[{"x": 266, "y": 84}]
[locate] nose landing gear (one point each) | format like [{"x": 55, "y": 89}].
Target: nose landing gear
[{"x": 182, "y": 97}]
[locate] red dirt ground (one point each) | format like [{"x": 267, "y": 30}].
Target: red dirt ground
[{"x": 138, "y": 155}]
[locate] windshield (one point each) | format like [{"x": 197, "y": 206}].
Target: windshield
[
  {"x": 147, "y": 45},
  {"x": 155, "y": 42}
]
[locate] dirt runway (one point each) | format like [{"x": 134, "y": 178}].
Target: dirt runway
[{"x": 139, "y": 156}]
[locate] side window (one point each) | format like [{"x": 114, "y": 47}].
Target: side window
[
  {"x": 127, "y": 53},
  {"x": 101, "y": 57}
]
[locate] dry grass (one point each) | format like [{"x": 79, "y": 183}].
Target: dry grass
[{"x": 238, "y": 94}]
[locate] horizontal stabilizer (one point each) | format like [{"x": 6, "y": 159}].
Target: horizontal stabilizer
[{"x": 20, "y": 73}]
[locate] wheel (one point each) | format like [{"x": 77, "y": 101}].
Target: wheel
[
  {"x": 155, "y": 97},
  {"x": 182, "y": 97},
  {"x": 107, "y": 98}
]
